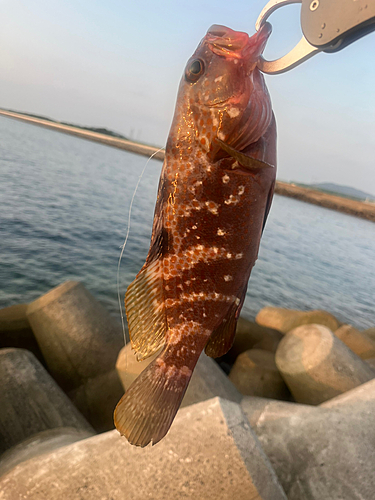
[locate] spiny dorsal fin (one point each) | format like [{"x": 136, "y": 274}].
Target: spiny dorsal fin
[
  {"x": 244, "y": 160},
  {"x": 145, "y": 310}
]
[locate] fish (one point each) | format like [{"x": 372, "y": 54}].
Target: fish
[{"x": 214, "y": 196}]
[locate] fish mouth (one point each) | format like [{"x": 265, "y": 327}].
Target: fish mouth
[{"x": 226, "y": 42}]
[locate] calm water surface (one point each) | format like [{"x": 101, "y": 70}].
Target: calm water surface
[{"x": 64, "y": 208}]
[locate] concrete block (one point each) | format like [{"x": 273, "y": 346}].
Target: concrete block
[
  {"x": 97, "y": 398},
  {"x": 327, "y": 453},
  {"x": 362, "y": 393},
  {"x": 78, "y": 338},
  {"x": 80, "y": 343},
  {"x": 31, "y": 402},
  {"x": 370, "y": 332},
  {"x": 357, "y": 341},
  {"x": 261, "y": 410},
  {"x": 15, "y": 330},
  {"x": 250, "y": 335},
  {"x": 255, "y": 374},
  {"x": 317, "y": 366},
  {"x": 209, "y": 453},
  {"x": 285, "y": 320},
  {"x": 208, "y": 379},
  {"x": 371, "y": 363},
  {"x": 127, "y": 366},
  {"x": 39, "y": 444}
]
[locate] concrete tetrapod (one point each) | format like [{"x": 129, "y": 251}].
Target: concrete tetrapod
[
  {"x": 260, "y": 410},
  {"x": 207, "y": 382},
  {"x": 285, "y": 320},
  {"x": 317, "y": 366},
  {"x": 370, "y": 332},
  {"x": 80, "y": 343},
  {"x": 250, "y": 335},
  {"x": 357, "y": 341},
  {"x": 326, "y": 453},
  {"x": 35, "y": 413},
  {"x": 209, "y": 453},
  {"x": 15, "y": 330},
  {"x": 255, "y": 374}
]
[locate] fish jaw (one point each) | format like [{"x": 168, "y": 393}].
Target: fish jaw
[{"x": 232, "y": 44}]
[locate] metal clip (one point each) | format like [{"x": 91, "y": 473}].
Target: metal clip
[{"x": 300, "y": 53}]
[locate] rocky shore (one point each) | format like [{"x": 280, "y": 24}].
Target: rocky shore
[
  {"x": 287, "y": 413},
  {"x": 341, "y": 204}
]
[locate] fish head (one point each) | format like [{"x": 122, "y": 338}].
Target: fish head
[{"x": 222, "y": 93}]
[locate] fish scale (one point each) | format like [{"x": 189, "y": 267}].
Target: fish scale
[{"x": 214, "y": 196}]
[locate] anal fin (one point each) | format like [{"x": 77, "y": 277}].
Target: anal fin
[
  {"x": 145, "y": 310},
  {"x": 221, "y": 339}
]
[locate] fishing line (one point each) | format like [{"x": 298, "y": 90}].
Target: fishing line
[{"x": 120, "y": 303}]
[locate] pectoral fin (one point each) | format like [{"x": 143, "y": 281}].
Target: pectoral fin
[{"x": 245, "y": 161}]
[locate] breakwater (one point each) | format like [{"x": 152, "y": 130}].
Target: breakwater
[
  {"x": 345, "y": 205},
  {"x": 326, "y": 200}
]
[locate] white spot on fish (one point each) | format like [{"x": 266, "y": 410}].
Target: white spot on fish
[
  {"x": 221, "y": 136},
  {"x": 218, "y": 79},
  {"x": 239, "y": 255},
  {"x": 231, "y": 200},
  {"x": 225, "y": 179},
  {"x": 237, "y": 301},
  {"x": 227, "y": 277},
  {"x": 220, "y": 232},
  {"x": 229, "y": 255},
  {"x": 233, "y": 112},
  {"x": 194, "y": 227},
  {"x": 212, "y": 207},
  {"x": 241, "y": 190}
]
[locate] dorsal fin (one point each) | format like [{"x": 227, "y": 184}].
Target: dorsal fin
[
  {"x": 144, "y": 298},
  {"x": 145, "y": 310}
]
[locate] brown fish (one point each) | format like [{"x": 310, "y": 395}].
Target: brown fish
[{"x": 214, "y": 196}]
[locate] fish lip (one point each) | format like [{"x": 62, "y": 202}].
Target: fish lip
[{"x": 226, "y": 42}]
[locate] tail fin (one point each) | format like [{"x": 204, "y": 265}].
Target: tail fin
[{"x": 147, "y": 409}]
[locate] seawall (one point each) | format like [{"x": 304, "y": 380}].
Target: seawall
[{"x": 345, "y": 205}]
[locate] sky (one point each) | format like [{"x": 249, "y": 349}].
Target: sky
[{"x": 118, "y": 64}]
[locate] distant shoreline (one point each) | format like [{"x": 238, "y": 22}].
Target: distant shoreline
[
  {"x": 133, "y": 147},
  {"x": 333, "y": 202},
  {"x": 346, "y": 205}
]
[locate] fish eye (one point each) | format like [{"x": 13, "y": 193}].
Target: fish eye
[{"x": 194, "y": 70}]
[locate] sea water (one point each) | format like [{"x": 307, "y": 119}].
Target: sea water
[{"x": 64, "y": 212}]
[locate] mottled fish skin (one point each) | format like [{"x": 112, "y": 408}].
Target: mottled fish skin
[{"x": 209, "y": 217}]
